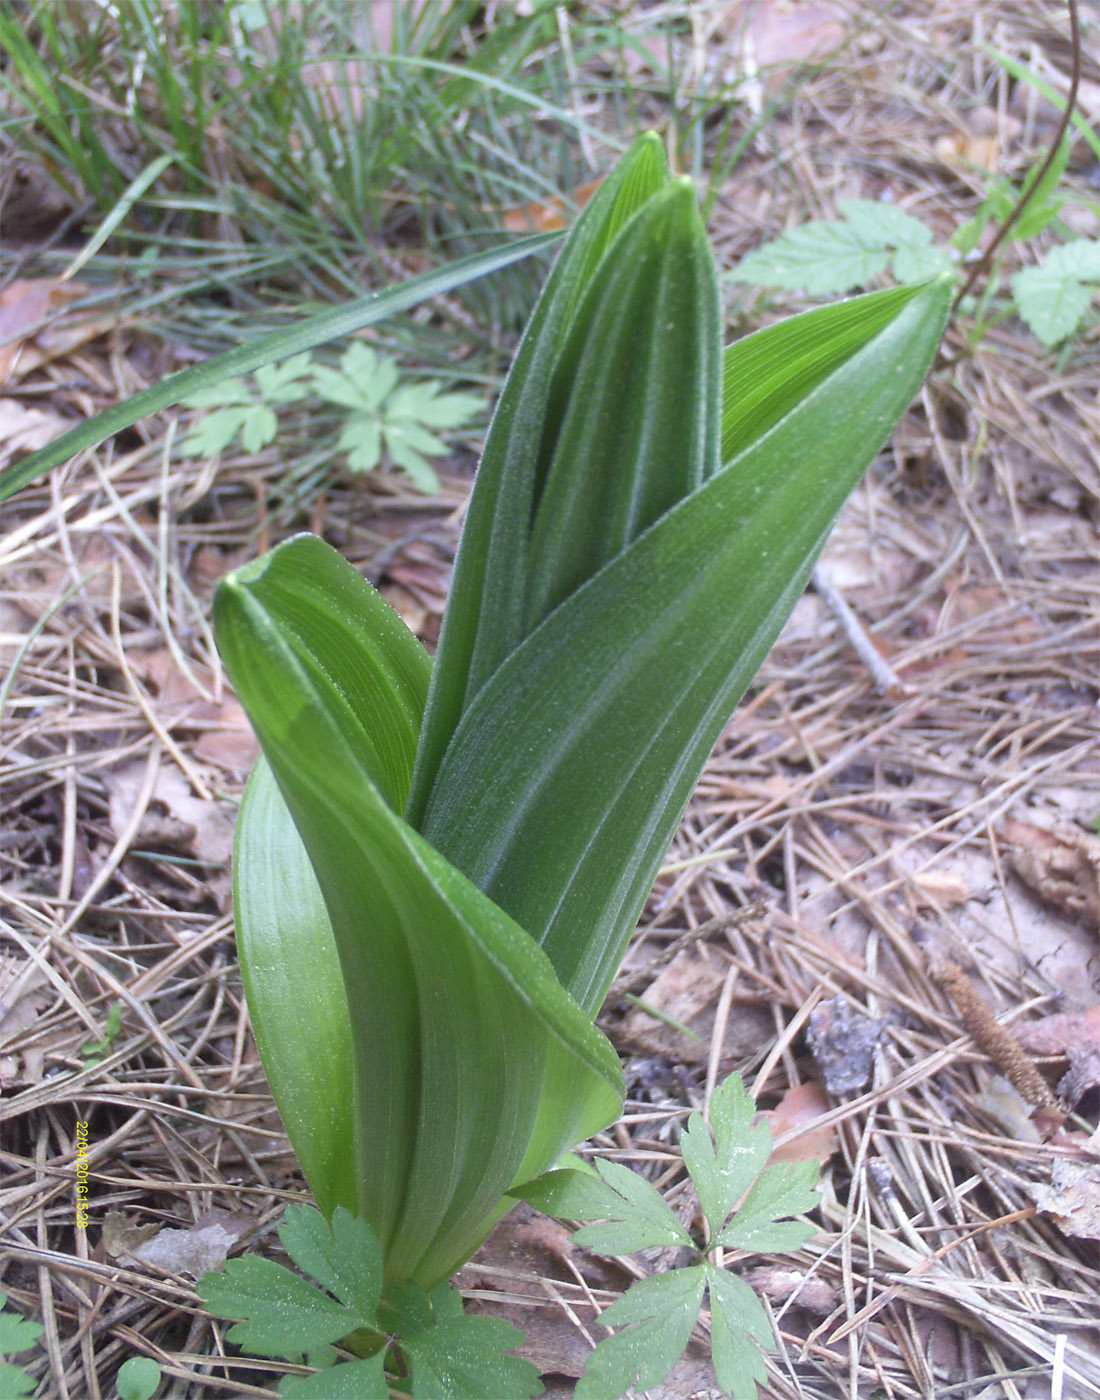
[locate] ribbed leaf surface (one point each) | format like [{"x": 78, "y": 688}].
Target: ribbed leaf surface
[
  {"x": 472, "y": 1067},
  {"x": 566, "y": 779}
]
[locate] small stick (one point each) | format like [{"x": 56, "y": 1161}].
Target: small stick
[{"x": 883, "y": 674}]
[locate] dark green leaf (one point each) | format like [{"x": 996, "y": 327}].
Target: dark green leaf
[
  {"x": 137, "y": 1378},
  {"x": 282, "y": 1314},
  {"x": 466, "y": 1358},
  {"x": 343, "y": 1257},
  {"x": 641, "y": 1218},
  {"x": 16, "y": 1333},
  {"x": 739, "y": 1326},
  {"x": 353, "y": 1380},
  {"x": 787, "y": 1188}
]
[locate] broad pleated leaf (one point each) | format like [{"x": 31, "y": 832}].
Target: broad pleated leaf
[
  {"x": 606, "y": 713},
  {"x": 484, "y": 617},
  {"x": 472, "y": 1067}
]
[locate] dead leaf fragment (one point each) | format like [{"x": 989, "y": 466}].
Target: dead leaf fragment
[
  {"x": 1060, "y": 864},
  {"x": 940, "y": 889},
  {"x": 1075, "y": 1034},
  {"x": 687, "y": 991},
  {"x": 800, "y": 1107},
  {"x": 176, "y": 819},
  {"x": 195, "y": 1251},
  {"x": 1073, "y": 1196},
  {"x": 844, "y": 1041},
  {"x": 781, "y": 1284},
  {"x": 23, "y": 996},
  {"x": 549, "y": 216}
]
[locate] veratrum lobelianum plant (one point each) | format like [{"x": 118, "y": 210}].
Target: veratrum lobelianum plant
[{"x": 438, "y": 866}]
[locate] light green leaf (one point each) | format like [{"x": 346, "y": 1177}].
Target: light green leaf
[
  {"x": 353, "y": 1380},
  {"x": 1052, "y": 299},
  {"x": 570, "y": 1193},
  {"x": 611, "y": 707},
  {"x": 258, "y": 428},
  {"x": 343, "y": 1257},
  {"x": 466, "y": 1358},
  {"x": 410, "y": 461},
  {"x": 14, "y": 1382},
  {"x": 137, "y": 1378},
  {"x": 16, "y": 1333},
  {"x": 787, "y": 1188},
  {"x": 737, "y": 1320},
  {"x": 428, "y": 962},
  {"x": 424, "y": 403},
  {"x": 214, "y": 433},
  {"x": 819, "y": 257},
  {"x": 335, "y": 387},
  {"x": 371, "y": 375},
  {"x": 287, "y": 382},
  {"x": 283, "y": 1314},
  {"x": 223, "y": 394},
  {"x": 304, "y": 335},
  {"x": 724, "y": 1169},
  {"x": 362, "y": 440},
  {"x": 891, "y": 226},
  {"x": 663, "y": 1309},
  {"x": 920, "y": 264},
  {"x": 402, "y": 436}
]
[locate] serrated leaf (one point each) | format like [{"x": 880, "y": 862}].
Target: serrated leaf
[
  {"x": 351, "y": 1380},
  {"x": 639, "y": 1217},
  {"x": 891, "y": 226},
  {"x": 820, "y": 257},
  {"x": 280, "y": 1313},
  {"x": 663, "y": 1310},
  {"x": 1051, "y": 301},
  {"x": 404, "y": 435},
  {"x": 466, "y": 1358},
  {"x": 16, "y": 1333},
  {"x": 372, "y": 376},
  {"x": 724, "y": 1169},
  {"x": 425, "y": 404},
  {"x": 258, "y": 428},
  {"x": 570, "y": 1194},
  {"x": 214, "y": 433},
  {"x": 737, "y": 1321},
  {"x": 14, "y": 1382},
  {"x": 1079, "y": 258},
  {"x": 785, "y": 1189},
  {"x": 919, "y": 264},
  {"x": 335, "y": 387},
  {"x": 343, "y": 1256},
  {"x": 287, "y": 381},
  {"x": 361, "y": 439},
  {"x": 410, "y": 461}
]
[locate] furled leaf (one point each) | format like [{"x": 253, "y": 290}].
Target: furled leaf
[
  {"x": 737, "y": 1320},
  {"x": 662, "y": 1310},
  {"x": 610, "y": 708},
  {"x": 281, "y": 1313},
  {"x": 724, "y": 1169},
  {"x": 352, "y": 1380},
  {"x": 429, "y": 964},
  {"x": 493, "y": 555},
  {"x": 785, "y": 1189},
  {"x": 342, "y": 1256}
]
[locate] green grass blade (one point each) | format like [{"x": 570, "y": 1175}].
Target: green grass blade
[
  {"x": 473, "y": 1068},
  {"x": 609, "y": 709},
  {"x": 277, "y": 345}
]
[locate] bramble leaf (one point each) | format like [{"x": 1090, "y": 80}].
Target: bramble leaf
[
  {"x": 785, "y": 1189},
  {"x": 723, "y": 1170},
  {"x": 663, "y": 1310}
]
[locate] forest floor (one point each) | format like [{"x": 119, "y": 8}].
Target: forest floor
[{"x": 881, "y": 908}]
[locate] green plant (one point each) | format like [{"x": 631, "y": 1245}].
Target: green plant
[
  {"x": 16, "y": 1335},
  {"x": 424, "y": 1341},
  {"x": 438, "y": 867},
  {"x": 744, "y": 1204},
  {"x": 835, "y": 255},
  {"x": 97, "y": 1050},
  {"x": 137, "y": 1378},
  {"x": 386, "y": 416}
]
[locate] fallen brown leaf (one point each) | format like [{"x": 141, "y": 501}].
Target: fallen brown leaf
[
  {"x": 1061, "y": 864},
  {"x": 1075, "y": 1034},
  {"x": 800, "y": 1107}
]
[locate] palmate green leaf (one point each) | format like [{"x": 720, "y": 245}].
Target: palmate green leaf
[
  {"x": 429, "y": 964},
  {"x": 659, "y": 1314},
  {"x": 278, "y": 345},
  {"x": 466, "y": 1358},
  {"x": 787, "y": 1188},
  {"x": 609, "y": 709},
  {"x": 723, "y": 1169},
  {"x": 484, "y": 613},
  {"x": 635, "y": 1214},
  {"x": 16, "y": 1333},
  {"x": 342, "y": 1256}
]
